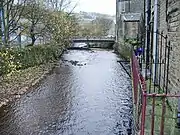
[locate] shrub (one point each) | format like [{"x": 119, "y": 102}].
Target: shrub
[
  {"x": 20, "y": 58},
  {"x": 6, "y": 62},
  {"x": 124, "y": 49}
]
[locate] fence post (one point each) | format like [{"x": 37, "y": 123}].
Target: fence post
[
  {"x": 152, "y": 115},
  {"x": 163, "y": 115},
  {"x": 143, "y": 113},
  {"x": 167, "y": 74},
  {"x": 178, "y": 113}
]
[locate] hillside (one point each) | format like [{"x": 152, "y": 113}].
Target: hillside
[{"x": 85, "y": 17}]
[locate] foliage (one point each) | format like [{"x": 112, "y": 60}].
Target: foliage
[
  {"x": 36, "y": 20},
  {"x": 124, "y": 49},
  {"x": 30, "y": 18},
  {"x": 132, "y": 41},
  {"x": 6, "y": 62},
  {"x": 34, "y": 13},
  {"x": 60, "y": 26},
  {"x": 15, "y": 58},
  {"x": 51, "y": 25}
]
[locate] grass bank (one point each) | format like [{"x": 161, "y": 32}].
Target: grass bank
[{"x": 170, "y": 117}]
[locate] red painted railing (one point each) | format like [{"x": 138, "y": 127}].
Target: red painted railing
[{"x": 140, "y": 96}]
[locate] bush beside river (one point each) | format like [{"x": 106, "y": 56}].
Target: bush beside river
[
  {"x": 22, "y": 68},
  {"x": 13, "y": 59}
]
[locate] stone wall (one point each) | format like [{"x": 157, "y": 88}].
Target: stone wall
[
  {"x": 131, "y": 30},
  {"x": 137, "y": 6},
  {"x": 170, "y": 24}
]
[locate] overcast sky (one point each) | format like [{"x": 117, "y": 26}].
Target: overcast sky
[{"x": 100, "y": 6}]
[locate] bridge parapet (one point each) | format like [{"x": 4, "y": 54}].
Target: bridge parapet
[{"x": 93, "y": 37}]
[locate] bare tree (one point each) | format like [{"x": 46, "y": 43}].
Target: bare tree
[
  {"x": 33, "y": 15},
  {"x": 62, "y": 5},
  {"x": 42, "y": 18},
  {"x": 11, "y": 12},
  {"x": 104, "y": 24}
]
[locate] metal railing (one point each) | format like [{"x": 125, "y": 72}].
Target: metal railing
[{"x": 148, "y": 92}]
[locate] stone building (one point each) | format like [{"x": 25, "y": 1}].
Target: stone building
[
  {"x": 128, "y": 17},
  {"x": 129, "y": 12},
  {"x": 165, "y": 33},
  {"x": 169, "y": 23}
]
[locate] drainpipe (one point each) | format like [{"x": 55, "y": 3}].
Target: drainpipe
[
  {"x": 147, "y": 24},
  {"x": 129, "y": 6},
  {"x": 155, "y": 43},
  {"x": 117, "y": 20}
]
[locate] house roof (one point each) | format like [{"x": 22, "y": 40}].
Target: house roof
[{"x": 132, "y": 17}]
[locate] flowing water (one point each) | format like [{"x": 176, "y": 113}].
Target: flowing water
[{"x": 89, "y": 93}]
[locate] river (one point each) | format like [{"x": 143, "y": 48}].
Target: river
[{"x": 89, "y": 93}]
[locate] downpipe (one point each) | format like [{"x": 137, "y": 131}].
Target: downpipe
[
  {"x": 147, "y": 25},
  {"x": 155, "y": 43}
]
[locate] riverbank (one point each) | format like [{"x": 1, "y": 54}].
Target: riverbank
[
  {"x": 23, "y": 68},
  {"x": 87, "y": 93},
  {"x": 13, "y": 85}
]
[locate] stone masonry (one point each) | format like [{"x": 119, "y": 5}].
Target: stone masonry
[
  {"x": 125, "y": 7},
  {"x": 169, "y": 23}
]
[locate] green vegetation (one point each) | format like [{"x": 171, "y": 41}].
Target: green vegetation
[
  {"x": 49, "y": 25},
  {"x": 124, "y": 49},
  {"x": 132, "y": 41},
  {"x": 13, "y": 59},
  {"x": 36, "y": 20},
  {"x": 170, "y": 117}
]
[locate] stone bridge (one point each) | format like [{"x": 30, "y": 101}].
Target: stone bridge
[{"x": 93, "y": 39}]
